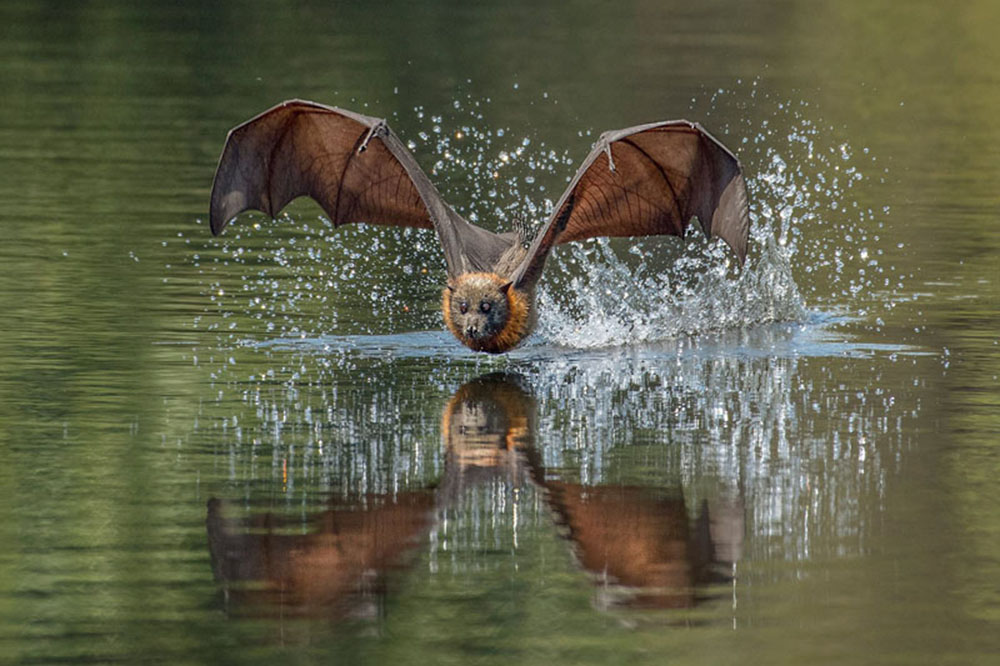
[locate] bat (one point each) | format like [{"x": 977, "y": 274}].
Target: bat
[{"x": 644, "y": 180}]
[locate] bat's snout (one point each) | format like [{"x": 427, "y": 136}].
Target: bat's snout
[{"x": 472, "y": 332}]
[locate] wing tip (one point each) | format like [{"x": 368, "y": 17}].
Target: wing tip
[
  {"x": 217, "y": 216},
  {"x": 731, "y": 221},
  {"x": 216, "y": 226},
  {"x": 219, "y": 213},
  {"x": 741, "y": 254}
]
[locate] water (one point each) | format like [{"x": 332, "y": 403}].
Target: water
[{"x": 265, "y": 448}]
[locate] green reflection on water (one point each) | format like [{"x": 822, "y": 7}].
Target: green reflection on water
[{"x": 867, "y": 475}]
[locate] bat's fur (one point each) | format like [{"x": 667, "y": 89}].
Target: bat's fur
[
  {"x": 509, "y": 314},
  {"x": 497, "y": 316}
]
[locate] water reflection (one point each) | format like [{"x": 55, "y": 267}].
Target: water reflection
[
  {"x": 337, "y": 568},
  {"x": 772, "y": 415},
  {"x": 638, "y": 543},
  {"x": 488, "y": 428}
]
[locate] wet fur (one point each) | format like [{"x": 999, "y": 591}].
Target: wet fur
[{"x": 511, "y": 317}]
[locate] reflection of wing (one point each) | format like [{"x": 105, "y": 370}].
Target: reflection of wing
[
  {"x": 648, "y": 180},
  {"x": 354, "y": 166},
  {"x": 632, "y": 536},
  {"x": 268, "y": 567}
]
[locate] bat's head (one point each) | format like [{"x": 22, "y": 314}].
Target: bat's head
[{"x": 485, "y": 312}]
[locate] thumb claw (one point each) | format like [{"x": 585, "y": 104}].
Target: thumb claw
[{"x": 607, "y": 150}]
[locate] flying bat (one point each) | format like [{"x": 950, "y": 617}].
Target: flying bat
[{"x": 644, "y": 180}]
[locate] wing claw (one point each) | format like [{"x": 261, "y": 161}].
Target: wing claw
[
  {"x": 379, "y": 128},
  {"x": 603, "y": 141}
]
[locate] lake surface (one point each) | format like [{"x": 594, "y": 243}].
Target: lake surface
[{"x": 264, "y": 448}]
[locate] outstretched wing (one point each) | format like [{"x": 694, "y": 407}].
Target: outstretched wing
[
  {"x": 648, "y": 180},
  {"x": 354, "y": 166}
]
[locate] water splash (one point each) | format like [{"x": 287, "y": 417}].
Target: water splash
[{"x": 600, "y": 300}]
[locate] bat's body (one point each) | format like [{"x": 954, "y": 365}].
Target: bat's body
[{"x": 644, "y": 180}]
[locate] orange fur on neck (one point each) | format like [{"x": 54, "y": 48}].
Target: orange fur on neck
[{"x": 516, "y": 328}]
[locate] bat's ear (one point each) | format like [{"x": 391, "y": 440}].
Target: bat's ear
[
  {"x": 505, "y": 288},
  {"x": 451, "y": 287}
]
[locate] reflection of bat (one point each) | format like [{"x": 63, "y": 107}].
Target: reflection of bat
[
  {"x": 638, "y": 542},
  {"x": 488, "y": 429},
  {"x": 644, "y": 180},
  {"x": 642, "y": 540}
]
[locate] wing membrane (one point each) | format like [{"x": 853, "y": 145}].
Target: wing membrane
[
  {"x": 353, "y": 165},
  {"x": 648, "y": 180}
]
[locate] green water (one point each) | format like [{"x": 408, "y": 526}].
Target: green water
[{"x": 264, "y": 448}]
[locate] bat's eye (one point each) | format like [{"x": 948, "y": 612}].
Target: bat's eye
[
  {"x": 463, "y": 307},
  {"x": 484, "y": 306}
]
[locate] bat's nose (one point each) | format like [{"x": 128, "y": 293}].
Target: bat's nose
[{"x": 471, "y": 332}]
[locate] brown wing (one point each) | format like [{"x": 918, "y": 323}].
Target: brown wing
[
  {"x": 354, "y": 166},
  {"x": 648, "y": 180}
]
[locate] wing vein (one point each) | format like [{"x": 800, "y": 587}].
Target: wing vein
[
  {"x": 343, "y": 175},
  {"x": 666, "y": 179},
  {"x": 286, "y": 128}
]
